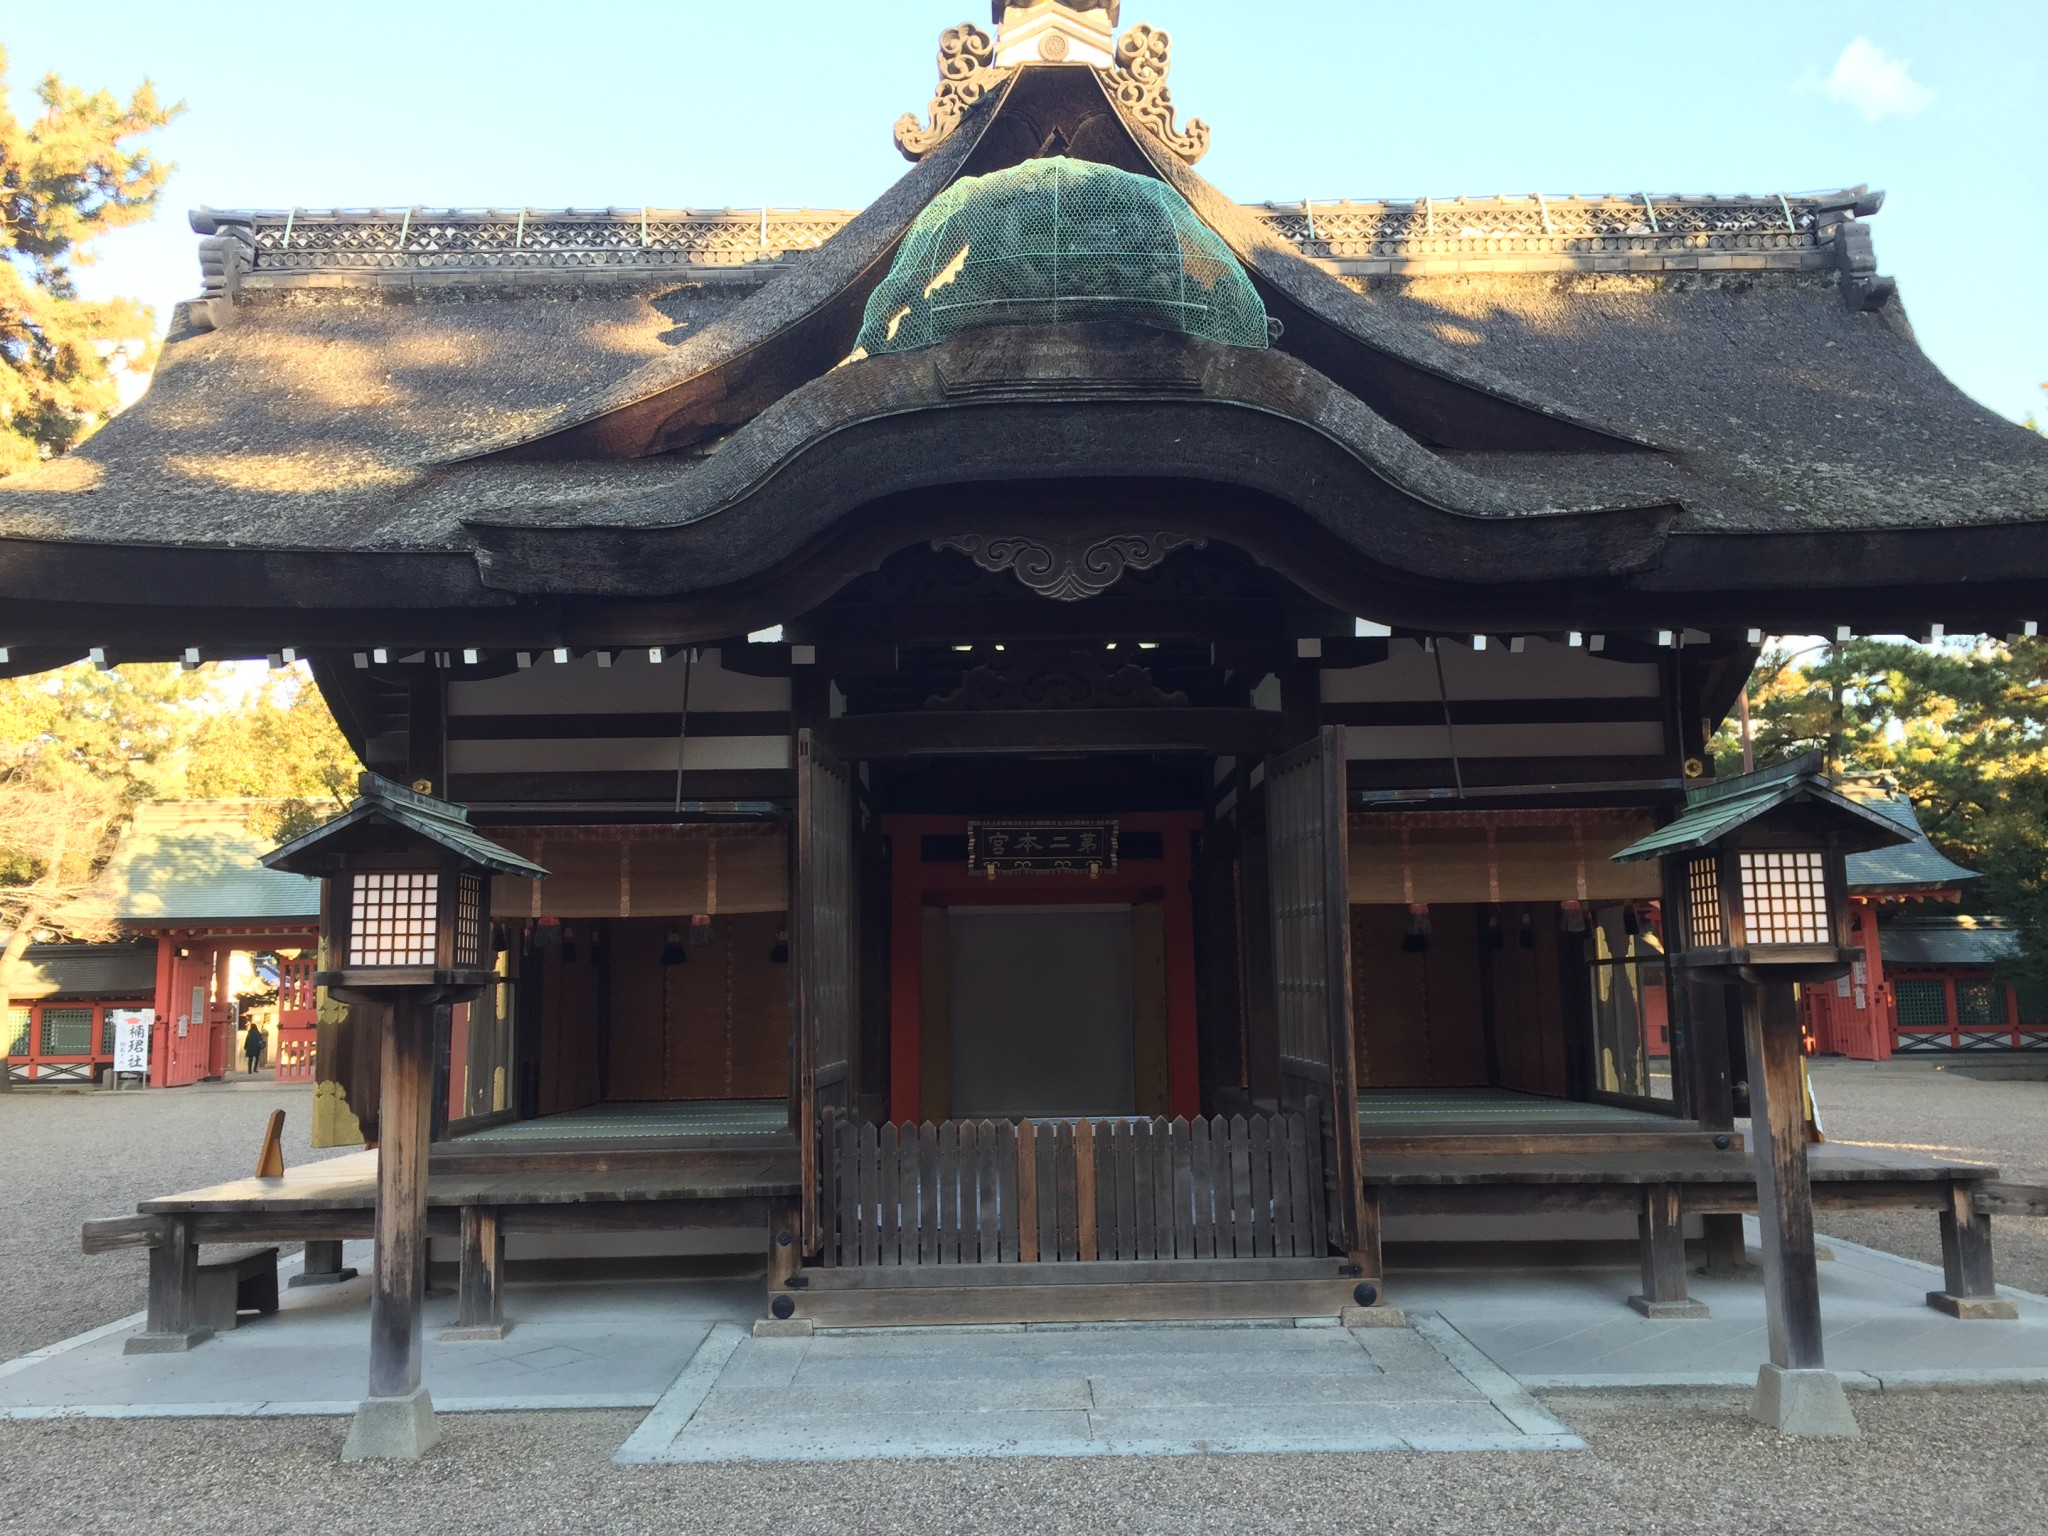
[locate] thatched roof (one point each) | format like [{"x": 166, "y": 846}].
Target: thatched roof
[{"x": 1721, "y": 399}]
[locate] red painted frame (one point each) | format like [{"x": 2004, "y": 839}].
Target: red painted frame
[
  {"x": 916, "y": 885},
  {"x": 96, "y": 1062}
]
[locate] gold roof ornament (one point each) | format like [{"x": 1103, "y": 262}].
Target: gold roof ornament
[{"x": 1071, "y": 33}]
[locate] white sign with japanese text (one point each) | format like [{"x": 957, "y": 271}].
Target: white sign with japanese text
[{"x": 131, "y": 1038}]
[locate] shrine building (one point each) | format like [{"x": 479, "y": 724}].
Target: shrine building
[{"x": 1078, "y": 725}]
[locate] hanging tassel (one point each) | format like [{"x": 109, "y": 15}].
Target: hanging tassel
[
  {"x": 1495, "y": 938},
  {"x": 547, "y": 933},
  {"x": 779, "y": 955},
  {"x": 568, "y": 945},
  {"x": 672, "y": 953},
  {"x": 1574, "y": 917},
  {"x": 700, "y": 931},
  {"x": 1528, "y": 930},
  {"x": 1416, "y": 940}
]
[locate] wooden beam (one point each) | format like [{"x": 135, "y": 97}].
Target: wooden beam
[
  {"x": 941, "y": 733},
  {"x": 109, "y": 1234}
]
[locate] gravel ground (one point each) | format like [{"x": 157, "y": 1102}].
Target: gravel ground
[
  {"x": 70, "y": 1155},
  {"x": 1660, "y": 1462},
  {"x": 1940, "y": 1112}
]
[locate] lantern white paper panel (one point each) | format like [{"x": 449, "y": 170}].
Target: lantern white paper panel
[
  {"x": 392, "y": 919},
  {"x": 1785, "y": 897}
]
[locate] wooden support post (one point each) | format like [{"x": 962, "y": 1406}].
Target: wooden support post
[
  {"x": 480, "y": 1300},
  {"x": 1972, "y": 1292},
  {"x": 396, "y": 1421},
  {"x": 1661, "y": 1227},
  {"x": 323, "y": 1266},
  {"x": 1370, "y": 1256},
  {"x": 1796, "y": 1393},
  {"x": 1727, "y": 1249},
  {"x": 173, "y": 1326}
]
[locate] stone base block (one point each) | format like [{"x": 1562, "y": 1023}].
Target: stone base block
[
  {"x": 475, "y": 1333},
  {"x": 392, "y": 1429},
  {"x": 166, "y": 1343},
  {"x": 1373, "y": 1317},
  {"x": 783, "y": 1328},
  {"x": 1974, "y": 1309},
  {"x": 1688, "y": 1309},
  {"x": 1806, "y": 1402},
  {"x": 335, "y": 1277}
]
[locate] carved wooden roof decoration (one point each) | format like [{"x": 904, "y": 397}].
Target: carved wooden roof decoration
[
  {"x": 969, "y": 73},
  {"x": 1392, "y": 237}
]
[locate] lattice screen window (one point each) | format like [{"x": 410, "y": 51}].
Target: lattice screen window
[
  {"x": 1980, "y": 1005},
  {"x": 2033, "y": 1002},
  {"x": 1785, "y": 898},
  {"x": 392, "y": 919},
  {"x": 106, "y": 1032},
  {"x": 67, "y": 1031},
  {"x": 17, "y": 1031},
  {"x": 469, "y": 922},
  {"x": 1703, "y": 882},
  {"x": 1923, "y": 1003}
]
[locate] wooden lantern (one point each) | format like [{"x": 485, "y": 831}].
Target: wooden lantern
[
  {"x": 408, "y": 894},
  {"x": 1755, "y": 881}
]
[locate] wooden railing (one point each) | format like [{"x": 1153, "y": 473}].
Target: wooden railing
[
  {"x": 295, "y": 1052},
  {"x": 1071, "y": 1191}
]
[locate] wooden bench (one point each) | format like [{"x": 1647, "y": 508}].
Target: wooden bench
[
  {"x": 327, "y": 1203},
  {"x": 240, "y": 1282},
  {"x": 1661, "y": 1188}
]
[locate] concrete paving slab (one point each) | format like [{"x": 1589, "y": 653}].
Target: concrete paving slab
[
  {"x": 1275, "y": 1429},
  {"x": 578, "y": 1345},
  {"x": 1157, "y": 1390},
  {"x": 1567, "y": 1329},
  {"x": 1241, "y": 1389},
  {"x": 995, "y": 1392}
]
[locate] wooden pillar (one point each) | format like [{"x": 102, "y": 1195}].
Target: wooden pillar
[
  {"x": 1183, "y": 1051},
  {"x": 480, "y": 1291},
  {"x": 173, "y": 1326},
  {"x": 323, "y": 1265},
  {"x": 1972, "y": 1291},
  {"x": 1705, "y": 1007},
  {"x": 1796, "y": 1393},
  {"x": 1784, "y": 1197},
  {"x": 906, "y": 978},
  {"x": 1661, "y": 1232},
  {"x": 396, "y": 1421}
]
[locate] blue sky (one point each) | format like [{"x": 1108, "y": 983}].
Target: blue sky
[{"x": 694, "y": 104}]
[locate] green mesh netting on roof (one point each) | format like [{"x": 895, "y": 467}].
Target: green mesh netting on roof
[{"x": 1061, "y": 240}]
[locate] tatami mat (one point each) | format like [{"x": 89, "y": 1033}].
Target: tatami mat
[{"x": 641, "y": 1122}]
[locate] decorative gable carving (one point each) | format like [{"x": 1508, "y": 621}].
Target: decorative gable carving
[
  {"x": 972, "y": 64},
  {"x": 967, "y": 73},
  {"x": 1068, "y": 572}
]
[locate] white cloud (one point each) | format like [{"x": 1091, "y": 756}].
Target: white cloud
[{"x": 1875, "y": 83}]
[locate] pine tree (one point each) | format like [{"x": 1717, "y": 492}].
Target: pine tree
[{"x": 74, "y": 173}]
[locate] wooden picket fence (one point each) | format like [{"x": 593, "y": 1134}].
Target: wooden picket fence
[{"x": 1072, "y": 1191}]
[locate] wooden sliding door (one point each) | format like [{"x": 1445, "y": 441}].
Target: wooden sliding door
[{"x": 1308, "y": 845}]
